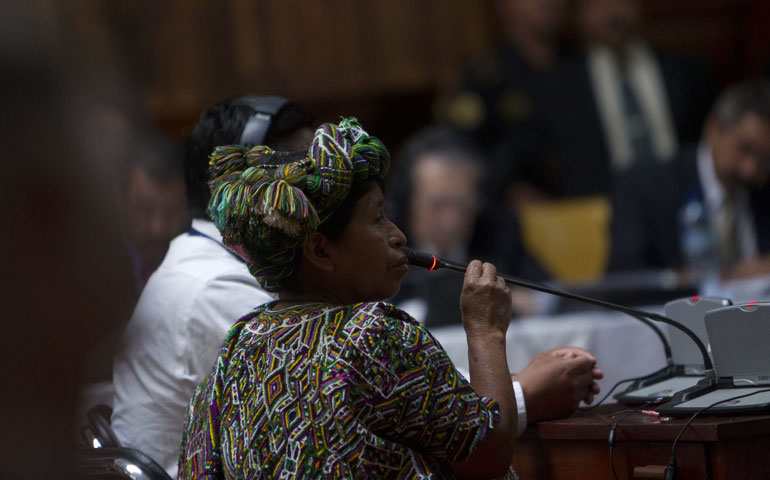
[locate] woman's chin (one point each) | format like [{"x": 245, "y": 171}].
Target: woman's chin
[
  {"x": 385, "y": 293},
  {"x": 394, "y": 291}
]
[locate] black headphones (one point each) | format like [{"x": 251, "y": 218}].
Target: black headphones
[{"x": 265, "y": 110}]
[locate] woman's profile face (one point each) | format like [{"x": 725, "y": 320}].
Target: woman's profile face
[{"x": 368, "y": 260}]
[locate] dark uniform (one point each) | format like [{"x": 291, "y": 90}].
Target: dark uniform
[{"x": 499, "y": 106}]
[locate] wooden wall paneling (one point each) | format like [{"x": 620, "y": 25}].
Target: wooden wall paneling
[
  {"x": 758, "y": 36},
  {"x": 443, "y": 38},
  {"x": 306, "y": 45},
  {"x": 369, "y": 41},
  {"x": 714, "y": 30},
  {"x": 89, "y": 51},
  {"x": 285, "y": 44},
  {"x": 399, "y": 44},
  {"x": 350, "y": 52},
  {"x": 185, "y": 55},
  {"x": 325, "y": 50},
  {"x": 188, "y": 59},
  {"x": 654, "y": 9},
  {"x": 82, "y": 26},
  {"x": 460, "y": 30},
  {"x": 47, "y": 18},
  {"x": 717, "y": 41},
  {"x": 447, "y": 36},
  {"x": 247, "y": 48}
]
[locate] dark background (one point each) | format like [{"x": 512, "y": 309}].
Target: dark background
[{"x": 382, "y": 61}]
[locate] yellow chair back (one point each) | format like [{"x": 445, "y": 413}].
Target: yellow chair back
[{"x": 570, "y": 238}]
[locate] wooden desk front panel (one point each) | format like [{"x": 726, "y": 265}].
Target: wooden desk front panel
[
  {"x": 589, "y": 459},
  {"x": 713, "y": 448}
]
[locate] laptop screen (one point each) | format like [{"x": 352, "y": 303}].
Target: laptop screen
[
  {"x": 690, "y": 312},
  {"x": 740, "y": 343}
]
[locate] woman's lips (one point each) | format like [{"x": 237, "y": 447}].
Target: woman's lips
[{"x": 402, "y": 264}]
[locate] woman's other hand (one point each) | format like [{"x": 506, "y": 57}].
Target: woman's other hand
[{"x": 557, "y": 380}]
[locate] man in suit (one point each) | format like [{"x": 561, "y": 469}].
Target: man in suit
[
  {"x": 618, "y": 101},
  {"x": 727, "y": 170}
]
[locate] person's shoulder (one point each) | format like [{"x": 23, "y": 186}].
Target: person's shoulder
[
  {"x": 386, "y": 335},
  {"x": 657, "y": 186},
  {"x": 200, "y": 260},
  {"x": 378, "y": 311},
  {"x": 209, "y": 258},
  {"x": 190, "y": 289},
  {"x": 388, "y": 324}
]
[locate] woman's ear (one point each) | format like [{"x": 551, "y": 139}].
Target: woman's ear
[{"x": 316, "y": 252}]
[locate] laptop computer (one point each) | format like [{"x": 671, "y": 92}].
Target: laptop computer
[
  {"x": 686, "y": 368},
  {"x": 740, "y": 346}
]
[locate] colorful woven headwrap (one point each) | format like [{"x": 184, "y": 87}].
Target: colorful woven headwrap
[{"x": 267, "y": 203}]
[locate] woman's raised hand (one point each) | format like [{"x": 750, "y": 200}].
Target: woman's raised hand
[
  {"x": 486, "y": 307},
  {"x": 485, "y": 300}
]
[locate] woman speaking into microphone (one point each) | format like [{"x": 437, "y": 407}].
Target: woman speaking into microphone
[{"x": 329, "y": 381}]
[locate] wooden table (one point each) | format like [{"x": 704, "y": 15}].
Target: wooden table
[{"x": 577, "y": 448}]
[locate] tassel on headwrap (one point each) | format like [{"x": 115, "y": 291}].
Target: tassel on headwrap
[{"x": 268, "y": 203}]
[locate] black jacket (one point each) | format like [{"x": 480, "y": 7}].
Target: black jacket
[
  {"x": 574, "y": 132},
  {"x": 646, "y": 202}
]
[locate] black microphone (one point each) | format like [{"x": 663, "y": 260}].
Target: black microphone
[{"x": 433, "y": 262}]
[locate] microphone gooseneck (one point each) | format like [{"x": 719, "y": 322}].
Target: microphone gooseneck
[{"x": 433, "y": 262}]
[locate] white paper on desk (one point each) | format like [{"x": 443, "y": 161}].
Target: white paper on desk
[{"x": 744, "y": 290}]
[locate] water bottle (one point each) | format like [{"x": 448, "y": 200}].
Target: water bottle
[{"x": 698, "y": 246}]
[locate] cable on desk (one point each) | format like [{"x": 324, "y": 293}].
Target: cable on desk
[{"x": 611, "y": 438}]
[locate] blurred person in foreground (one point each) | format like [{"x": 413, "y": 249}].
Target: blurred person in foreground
[
  {"x": 149, "y": 183},
  {"x": 727, "y": 171},
  {"x": 192, "y": 299},
  {"x": 152, "y": 209},
  {"x": 61, "y": 250},
  {"x": 328, "y": 381},
  {"x": 439, "y": 195}
]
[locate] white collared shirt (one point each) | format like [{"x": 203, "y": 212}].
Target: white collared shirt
[
  {"x": 714, "y": 197},
  {"x": 174, "y": 337}
]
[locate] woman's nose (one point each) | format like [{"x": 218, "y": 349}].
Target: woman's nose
[{"x": 397, "y": 237}]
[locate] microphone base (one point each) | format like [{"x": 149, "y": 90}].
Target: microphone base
[
  {"x": 707, "y": 384},
  {"x": 659, "y": 387}
]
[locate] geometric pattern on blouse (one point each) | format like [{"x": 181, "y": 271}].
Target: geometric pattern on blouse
[{"x": 323, "y": 391}]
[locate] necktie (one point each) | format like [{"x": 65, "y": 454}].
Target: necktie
[
  {"x": 729, "y": 247},
  {"x": 637, "y": 129}
]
